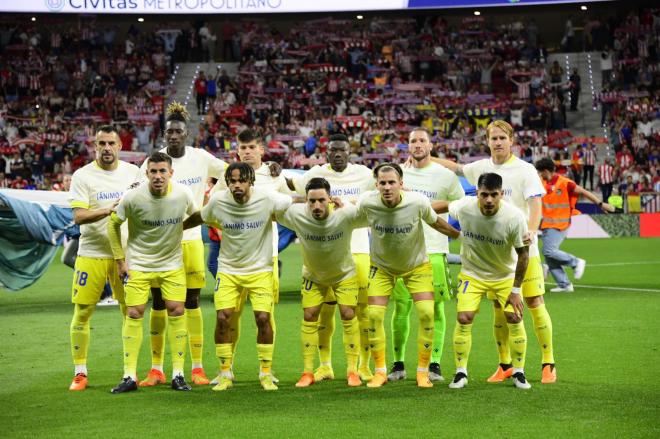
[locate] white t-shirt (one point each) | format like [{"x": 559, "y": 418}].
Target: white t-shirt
[
  {"x": 397, "y": 236},
  {"x": 94, "y": 188},
  {"x": 520, "y": 182},
  {"x": 192, "y": 170},
  {"x": 489, "y": 242},
  {"x": 247, "y": 229},
  {"x": 347, "y": 185},
  {"x": 436, "y": 183},
  {"x": 326, "y": 244},
  {"x": 155, "y": 226}
]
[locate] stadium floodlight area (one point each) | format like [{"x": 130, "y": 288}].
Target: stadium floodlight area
[{"x": 251, "y": 6}]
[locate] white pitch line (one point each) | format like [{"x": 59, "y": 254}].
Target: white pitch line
[
  {"x": 602, "y": 287},
  {"x": 615, "y": 264}
]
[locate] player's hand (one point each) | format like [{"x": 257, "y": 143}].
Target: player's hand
[
  {"x": 122, "y": 270},
  {"x": 337, "y": 202},
  {"x": 275, "y": 169},
  {"x": 113, "y": 208},
  {"x": 517, "y": 302},
  {"x": 607, "y": 208}
]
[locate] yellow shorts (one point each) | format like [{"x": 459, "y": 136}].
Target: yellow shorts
[
  {"x": 193, "y": 263},
  {"x": 344, "y": 292},
  {"x": 229, "y": 288},
  {"x": 533, "y": 285},
  {"x": 362, "y": 264},
  {"x": 172, "y": 284},
  {"x": 471, "y": 290},
  {"x": 276, "y": 281},
  {"x": 417, "y": 280},
  {"x": 89, "y": 278}
]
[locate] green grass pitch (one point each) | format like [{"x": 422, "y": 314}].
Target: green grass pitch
[{"x": 606, "y": 347}]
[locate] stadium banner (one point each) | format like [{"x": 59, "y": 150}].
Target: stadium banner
[
  {"x": 249, "y": 6},
  {"x": 649, "y": 225}
]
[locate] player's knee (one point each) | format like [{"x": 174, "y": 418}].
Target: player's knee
[
  {"x": 174, "y": 309},
  {"x": 133, "y": 313},
  {"x": 513, "y": 318},
  {"x": 82, "y": 313},
  {"x": 534, "y": 302},
  {"x": 346, "y": 312},
  {"x": 464, "y": 318},
  {"x": 192, "y": 298},
  {"x": 224, "y": 318},
  {"x": 262, "y": 319}
]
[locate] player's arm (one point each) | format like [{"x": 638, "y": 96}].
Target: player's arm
[
  {"x": 456, "y": 168},
  {"x": 605, "y": 207},
  {"x": 193, "y": 220},
  {"x": 535, "y": 205},
  {"x": 445, "y": 228},
  {"x": 87, "y": 216},
  {"x": 440, "y": 206},
  {"x": 114, "y": 236},
  {"x": 515, "y": 297}
]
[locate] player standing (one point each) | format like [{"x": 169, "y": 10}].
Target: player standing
[
  {"x": 155, "y": 214},
  {"x": 192, "y": 167},
  {"x": 436, "y": 183},
  {"x": 398, "y": 251},
  {"x": 491, "y": 230},
  {"x": 523, "y": 188},
  {"x": 245, "y": 265},
  {"x": 95, "y": 190},
  {"x": 328, "y": 269},
  {"x": 347, "y": 181}
]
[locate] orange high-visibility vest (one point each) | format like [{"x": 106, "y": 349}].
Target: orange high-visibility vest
[{"x": 558, "y": 205}]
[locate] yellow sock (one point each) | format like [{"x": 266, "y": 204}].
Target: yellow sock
[
  {"x": 326, "y": 330},
  {"x": 462, "y": 344},
  {"x": 157, "y": 329},
  {"x": 79, "y": 332},
  {"x": 265, "y": 355},
  {"x": 377, "y": 341},
  {"x": 543, "y": 330},
  {"x": 272, "y": 322},
  {"x": 351, "y": 341},
  {"x": 309, "y": 335},
  {"x": 424, "y": 333},
  {"x": 235, "y": 330},
  {"x": 225, "y": 354},
  {"x": 132, "y": 337},
  {"x": 501, "y": 333},
  {"x": 178, "y": 336},
  {"x": 195, "y": 325},
  {"x": 362, "y": 316},
  {"x": 518, "y": 343}
]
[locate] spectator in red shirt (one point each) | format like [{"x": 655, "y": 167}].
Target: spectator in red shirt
[
  {"x": 200, "y": 93},
  {"x": 126, "y": 137},
  {"x": 19, "y": 183}
]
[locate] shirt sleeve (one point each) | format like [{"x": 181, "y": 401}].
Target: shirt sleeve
[
  {"x": 455, "y": 191},
  {"x": 190, "y": 201},
  {"x": 79, "y": 194},
  {"x": 472, "y": 172},
  {"x": 285, "y": 217},
  {"x": 281, "y": 202},
  {"x": 207, "y": 211},
  {"x": 571, "y": 187},
  {"x": 519, "y": 230},
  {"x": 455, "y": 209},
  {"x": 426, "y": 211},
  {"x": 215, "y": 166},
  {"x": 533, "y": 186}
]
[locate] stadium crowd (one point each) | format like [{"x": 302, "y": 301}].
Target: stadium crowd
[{"x": 298, "y": 87}]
